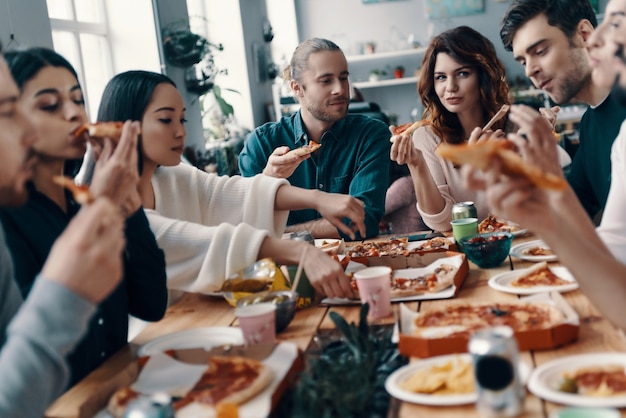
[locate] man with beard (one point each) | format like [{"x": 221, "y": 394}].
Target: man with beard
[
  {"x": 83, "y": 267},
  {"x": 550, "y": 39},
  {"x": 354, "y": 156},
  {"x": 596, "y": 257}
]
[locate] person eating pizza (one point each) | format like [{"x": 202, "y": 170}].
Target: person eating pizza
[
  {"x": 83, "y": 267},
  {"x": 52, "y": 98},
  {"x": 597, "y": 258},
  {"x": 462, "y": 86},
  {"x": 352, "y": 159},
  {"x": 211, "y": 226}
]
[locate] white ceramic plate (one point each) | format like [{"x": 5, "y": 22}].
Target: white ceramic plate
[
  {"x": 502, "y": 282},
  {"x": 519, "y": 249},
  {"x": 206, "y": 338},
  {"x": 392, "y": 384},
  {"x": 328, "y": 244},
  {"x": 545, "y": 379}
]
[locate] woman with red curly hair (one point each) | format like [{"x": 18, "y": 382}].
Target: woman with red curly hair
[{"x": 462, "y": 86}]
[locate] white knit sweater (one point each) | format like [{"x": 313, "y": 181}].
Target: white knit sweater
[{"x": 210, "y": 226}]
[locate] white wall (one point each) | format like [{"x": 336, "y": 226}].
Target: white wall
[{"x": 27, "y": 20}]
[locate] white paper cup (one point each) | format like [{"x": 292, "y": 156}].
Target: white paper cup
[
  {"x": 374, "y": 286},
  {"x": 257, "y": 322}
]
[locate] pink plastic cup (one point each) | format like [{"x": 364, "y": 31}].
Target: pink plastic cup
[
  {"x": 257, "y": 322},
  {"x": 374, "y": 285}
]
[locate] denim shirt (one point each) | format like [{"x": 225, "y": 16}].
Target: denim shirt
[{"x": 353, "y": 159}]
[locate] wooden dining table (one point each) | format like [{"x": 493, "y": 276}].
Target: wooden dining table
[{"x": 596, "y": 335}]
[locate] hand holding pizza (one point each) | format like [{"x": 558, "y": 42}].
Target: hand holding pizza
[
  {"x": 537, "y": 144},
  {"x": 402, "y": 149},
  {"x": 87, "y": 257},
  {"x": 116, "y": 173},
  {"x": 283, "y": 162},
  {"x": 335, "y": 207}
]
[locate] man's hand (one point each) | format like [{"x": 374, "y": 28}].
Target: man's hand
[
  {"x": 87, "y": 257},
  {"x": 281, "y": 165},
  {"x": 116, "y": 174},
  {"x": 535, "y": 139},
  {"x": 335, "y": 207}
]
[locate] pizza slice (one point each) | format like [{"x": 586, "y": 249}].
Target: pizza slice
[
  {"x": 441, "y": 278},
  {"x": 434, "y": 244},
  {"x": 79, "y": 191},
  {"x": 409, "y": 128},
  {"x": 481, "y": 154},
  {"x": 228, "y": 381},
  {"x": 539, "y": 275},
  {"x": 101, "y": 130},
  {"x": 598, "y": 381},
  {"x": 538, "y": 251},
  {"x": 493, "y": 224},
  {"x": 310, "y": 148}
]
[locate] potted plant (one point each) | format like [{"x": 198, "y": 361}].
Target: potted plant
[
  {"x": 398, "y": 72},
  {"x": 376, "y": 74}
]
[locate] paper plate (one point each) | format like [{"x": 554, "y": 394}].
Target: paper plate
[
  {"x": 206, "y": 338},
  {"x": 545, "y": 379},
  {"x": 502, "y": 282}
]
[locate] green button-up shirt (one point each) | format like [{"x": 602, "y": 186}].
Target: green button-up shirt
[{"x": 353, "y": 159}]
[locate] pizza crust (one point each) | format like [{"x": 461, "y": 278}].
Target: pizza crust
[
  {"x": 481, "y": 154},
  {"x": 310, "y": 148}
]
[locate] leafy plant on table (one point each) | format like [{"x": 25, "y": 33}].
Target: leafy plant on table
[{"x": 348, "y": 377}]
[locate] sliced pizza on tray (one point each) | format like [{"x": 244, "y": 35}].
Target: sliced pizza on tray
[{"x": 228, "y": 381}]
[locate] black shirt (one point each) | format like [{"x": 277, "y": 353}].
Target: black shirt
[{"x": 32, "y": 229}]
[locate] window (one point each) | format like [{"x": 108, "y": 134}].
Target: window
[{"x": 80, "y": 33}]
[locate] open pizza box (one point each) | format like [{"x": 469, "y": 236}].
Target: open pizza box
[
  {"x": 422, "y": 264},
  {"x": 559, "y": 334},
  {"x": 176, "y": 371},
  {"x": 415, "y": 259}
]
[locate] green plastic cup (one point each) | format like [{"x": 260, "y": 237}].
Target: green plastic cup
[{"x": 463, "y": 228}]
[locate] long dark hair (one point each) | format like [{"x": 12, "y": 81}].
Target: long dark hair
[
  {"x": 126, "y": 97},
  {"x": 470, "y": 48},
  {"x": 564, "y": 14},
  {"x": 25, "y": 64}
]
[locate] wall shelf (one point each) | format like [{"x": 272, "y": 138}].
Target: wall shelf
[
  {"x": 385, "y": 83},
  {"x": 385, "y": 55}
]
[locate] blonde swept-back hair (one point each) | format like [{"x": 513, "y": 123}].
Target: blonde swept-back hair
[{"x": 300, "y": 59}]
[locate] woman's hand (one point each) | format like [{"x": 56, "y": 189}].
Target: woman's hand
[
  {"x": 116, "y": 174},
  {"x": 326, "y": 274},
  {"x": 403, "y": 151},
  {"x": 478, "y": 135}
]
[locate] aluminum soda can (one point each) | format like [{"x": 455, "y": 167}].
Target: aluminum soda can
[
  {"x": 158, "y": 405},
  {"x": 495, "y": 358},
  {"x": 464, "y": 210}
]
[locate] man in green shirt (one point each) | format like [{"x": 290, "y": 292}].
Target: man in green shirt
[{"x": 354, "y": 156}]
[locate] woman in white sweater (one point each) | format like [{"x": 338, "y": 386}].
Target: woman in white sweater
[{"x": 210, "y": 226}]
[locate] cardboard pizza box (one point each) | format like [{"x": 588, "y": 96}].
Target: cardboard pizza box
[
  {"x": 91, "y": 396},
  {"x": 416, "y": 259},
  {"x": 558, "y": 335}
]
